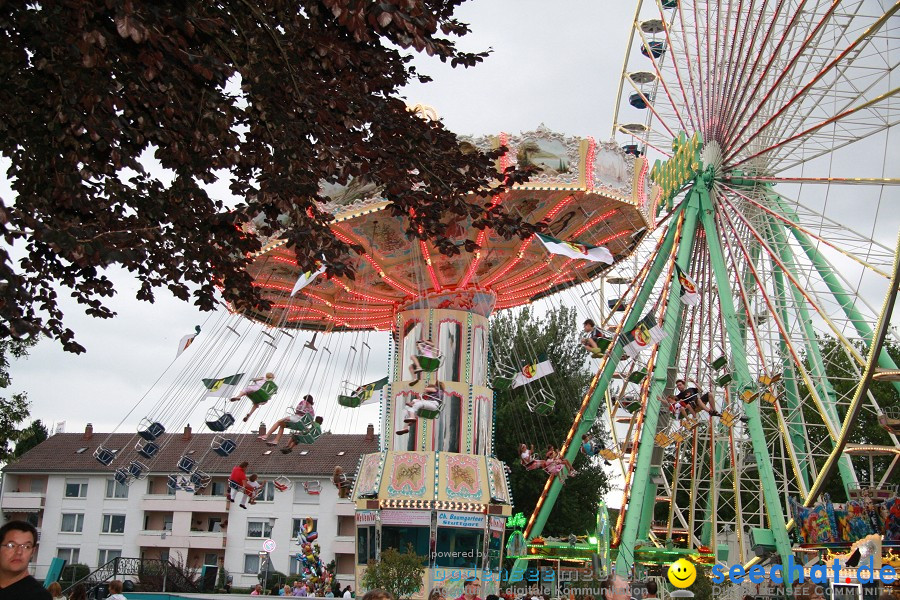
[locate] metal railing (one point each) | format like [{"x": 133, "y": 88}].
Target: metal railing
[{"x": 149, "y": 571}]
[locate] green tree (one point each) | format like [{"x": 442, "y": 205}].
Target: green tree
[
  {"x": 30, "y": 437},
  {"x": 276, "y": 98},
  {"x": 13, "y": 410},
  {"x": 525, "y": 337},
  {"x": 399, "y": 574}
]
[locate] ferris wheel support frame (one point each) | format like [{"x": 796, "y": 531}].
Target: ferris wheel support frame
[
  {"x": 848, "y": 476},
  {"x": 837, "y": 290},
  {"x": 597, "y": 391}
]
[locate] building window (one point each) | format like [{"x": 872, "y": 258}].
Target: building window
[
  {"x": 259, "y": 529},
  {"x": 217, "y": 488},
  {"x": 251, "y": 563},
  {"x": 365, "y": 543},
  {"x": 215, "y": 525},
  {"x": 108, "y": 555},
  {"x": 70, "y": 555},
  {"x": 113, "y": 524},
  {"x": 267, "y": 494},
  {"x": 76, "y": 489},
  {"x": 299, "y": 525},
  {"x": 211, "y": 559},
  {"x": 459, "y": 547},
  {"x": 114, "y": 489},
  {"x": 72, "y": 523},
  {"x": 400, "y": 537},
  {"x": 37, "y": 486}
]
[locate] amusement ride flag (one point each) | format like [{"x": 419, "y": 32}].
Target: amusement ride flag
[
  {"x": 305, "y": 279},
  {"x": 645, "y": 334},
  {"x": 531, "y": 372},
  {"x": 187, "y": 340},
  {"x": 576, "y": 250},
  {"x": 690, "y": 294},
  {"x": 367, "y": 392},
  {"x": 217, "y": 388}
]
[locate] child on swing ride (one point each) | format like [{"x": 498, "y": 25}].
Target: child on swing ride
[
  {"x": 591, "y": 448},
  {"x": 589, "y": 339},
  {"x": 527, "y": 458},
  {"x": 430, "y": 400},
  {"x": 554, "y": 463},
  {"x": 267, "y": 382},
  {"x": 251, "y": 488},
  {"x": 425, "y": 349},
  {"x": 303, "y": 412}
]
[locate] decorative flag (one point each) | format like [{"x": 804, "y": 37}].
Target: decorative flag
[
  {"x": 187, "y": 341},
  {"x": 367, "y": 392},
  {"x": 217, "y": 388},
  {"x": 690, "y": 294},
  {"x": 530, "y": 373},
  {"x": 576, "y": 250},
  {"x": 305, "y": 279},
  {"x": 645, "y": 334}
]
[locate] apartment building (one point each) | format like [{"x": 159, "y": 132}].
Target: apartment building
[{"x": 85, "y": 516}]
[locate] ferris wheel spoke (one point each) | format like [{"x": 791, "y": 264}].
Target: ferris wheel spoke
[
  {"x": 677, "y": 70},
  {"x": 661, "y": 79},
  {"x": 851, "y": 255},
  {"x": 734, "y": 76},
  {"x": 872, "y": 125}
]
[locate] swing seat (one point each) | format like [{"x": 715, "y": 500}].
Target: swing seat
[
  {"x": 282, "y": 483},
  {"x": 540, "y": 404},
  {"x": 662, "y": 439},
  {"x": 150, "y": 430},
  {"x": 219, "y": 420},
  {"x": 302, "y": 425},
  {"x": 724, "y": 380},
  {"x": 607, "y": 454},
  {"x": 767, "y": 381},
  {"x": 728, "y": 418},
  {"x": 630, "y": 403},
  {"x": 223, "y": 446},
  {"x": 137, "y": 469},
  {"x": 602, "y": 343},
  {"x": 104, "y": 456},
  {"x": 199, "y": 479},
  {"x": 678, "y": 436},
  {"x": 429, "y": 364},
  {"x": 187, "y": 464},
  {"x": 350, "y": 401},
  {"x": 637, "y": 376},
  {"x": 313, "y": 488},
  {"x": 263, "y": 394},
  {"x": 719, "y": 362},
  {"x": 769, "y": 397},
  {"x": 307, "y": 438},
  {"x": 147, "y": 449},
  {"x": 172, "y": 481},
  {"x": 122, "y": 476},
  {"x": 501, "y": 383}
]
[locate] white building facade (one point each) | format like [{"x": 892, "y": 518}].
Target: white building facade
[{"x": 84, "y": 516}]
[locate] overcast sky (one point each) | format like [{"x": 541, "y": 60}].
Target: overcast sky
[{"x": 556, "y": 63}]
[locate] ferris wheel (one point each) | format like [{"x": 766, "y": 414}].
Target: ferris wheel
[{"x": 766, "y": 132}]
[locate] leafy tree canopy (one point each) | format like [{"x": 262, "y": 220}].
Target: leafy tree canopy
[
  {"x": 30, "y": 437},
  {"x": 13, "y": 410},
  {"x": 274, "y": 97},
  {"x": 526, "y": 336},
  {"x": 399, "y": 574}
]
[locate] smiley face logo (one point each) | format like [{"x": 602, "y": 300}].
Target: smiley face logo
[{"x": 682, "y": 573}]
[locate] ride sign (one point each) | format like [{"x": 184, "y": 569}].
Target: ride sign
[
  {"x": 269, "y": 545},
  {"x": 684, "y": 165}
]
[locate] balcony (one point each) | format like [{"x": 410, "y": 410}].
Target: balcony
[
  {"x": 22, "y": 501},
  {"x": 184, "y": 502},
  {"x": 344, "y": 507},
  {"x": 205, "y": 540},
  {"x": 343, "y": 544}
]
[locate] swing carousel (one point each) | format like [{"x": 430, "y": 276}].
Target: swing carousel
[{"x": 436, "y": 483}]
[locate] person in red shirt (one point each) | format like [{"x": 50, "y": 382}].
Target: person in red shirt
[
  {"x": 470, "y": 591},
  {"x": 237, "y": 480}
]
